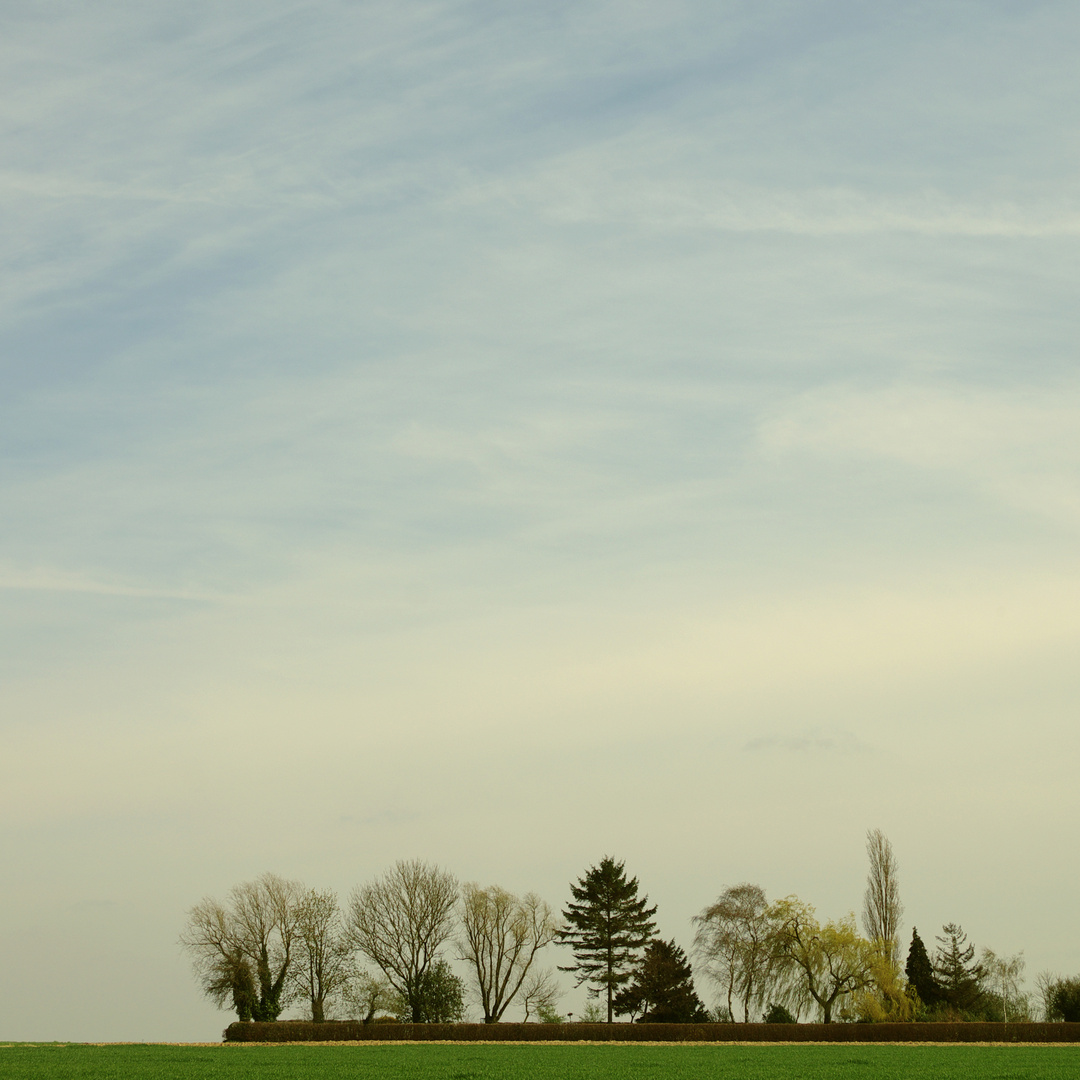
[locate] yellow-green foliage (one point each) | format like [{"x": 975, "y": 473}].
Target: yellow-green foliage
[{"x": 888, "y": 998}]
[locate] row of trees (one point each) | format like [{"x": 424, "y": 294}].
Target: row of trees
[
  {"x": 273, "y": 942},
  {"x": 765, "y": 955},
  {"x": 954, "y": 985}
]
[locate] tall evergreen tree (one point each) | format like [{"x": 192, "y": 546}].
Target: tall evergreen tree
[
  {"x": 607, "y": 926},
  {"x": 662, "y": 990},
  {"x": 920, "y": 972},
  {"x": 957, "y": 973}
]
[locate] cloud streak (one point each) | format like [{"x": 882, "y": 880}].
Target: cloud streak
[
  {"x": 46, "y": 580},
  {"x": 1022, "y": 449}
]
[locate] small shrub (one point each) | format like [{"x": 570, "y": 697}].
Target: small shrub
[
  {"x": 777, "y": 1014},
  {"x": 594, "y": 1013},
  {"x": 548, "y": 1014}
]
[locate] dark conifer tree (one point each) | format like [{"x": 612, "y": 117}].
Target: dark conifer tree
[
  {"x": 607, "y": 926},
  {"x": 958, "y": 976},
  {"x": 920, "y": 972},
  {"x": 662, "y": 990}
]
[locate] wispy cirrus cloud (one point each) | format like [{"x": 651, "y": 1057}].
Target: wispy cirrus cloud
[
  {"x": 609, "y": 187},
  {"x": 1020, "y": 447},
  {"x": 405, "y": 408},
  {"x": 41, "y": 579}
]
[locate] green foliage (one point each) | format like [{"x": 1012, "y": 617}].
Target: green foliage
[
  {"x": 959, "y": 977},
  {"x": 243, "y": 949},
  {"x": 886, "y": 999},
  {"x": 825, "y": 962},
  {"x": 1065, "y": 1001},
  {"x": 920, "y": 972},
  {"x": 607, "y": 926},
  {"x": 662, "y": 989},
  {"x": 1015, "y": 1009},
  {"x": 439, "y": 998},
  {"x": 547, "y": 1013},
  {"x": 593, "y": 1013},
  {"x": 244, "y": 994},
  {"x": 540, "y": 1062},
  {"x": 777, "y": 1014},
  {"x": 230, "y": 980}
]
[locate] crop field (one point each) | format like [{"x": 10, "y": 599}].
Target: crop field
[{"x": 437, "y": 1061}]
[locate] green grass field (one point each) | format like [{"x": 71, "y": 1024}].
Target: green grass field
[{"x": 372, "y": 1061}]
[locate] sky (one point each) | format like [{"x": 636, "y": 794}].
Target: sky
[{"x": 506, "y": 435}]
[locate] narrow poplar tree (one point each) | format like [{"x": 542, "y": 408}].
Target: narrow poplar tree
[
  {"x": 881, "y": 904},
  {"x": 607, "y": 926}
]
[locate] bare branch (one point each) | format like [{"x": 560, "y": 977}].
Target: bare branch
[{"x": 400, "y": 922}]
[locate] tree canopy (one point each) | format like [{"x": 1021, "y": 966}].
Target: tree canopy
[
  {"x": 829, "y": 961},
  {"x": 400, "y": 922},
  {"x": 959, "y": 976},
  {"x": 662, "y": 988},
  {"x": 244, "y": 949},
  {"x": 734, "y": 939},
  {"x": 500, "y": 937}
]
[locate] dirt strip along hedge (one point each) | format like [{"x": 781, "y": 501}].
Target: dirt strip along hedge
[{"x": 354, "y": 1031}]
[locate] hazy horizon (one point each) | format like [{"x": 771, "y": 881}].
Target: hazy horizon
[{"x": 508, "y": 436}]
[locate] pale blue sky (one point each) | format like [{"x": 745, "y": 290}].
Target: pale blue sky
[{"x": 507, "y": 435}]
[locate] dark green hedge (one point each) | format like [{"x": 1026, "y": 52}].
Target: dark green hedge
[{"x": 353, "y": 1031}]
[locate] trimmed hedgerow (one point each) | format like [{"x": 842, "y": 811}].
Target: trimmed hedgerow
[{"x": 354, "y": 1031}]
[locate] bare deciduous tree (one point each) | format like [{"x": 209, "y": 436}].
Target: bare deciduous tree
[
  {"x": 500, "y": 937},
  {"x": 366, "y": 995},
  {"x": 1046, "y": 982},
  {"x": 245, "y": 948},
  {"x": 1004, "y": 974},
  {"x": 324, "y": 956},
  {"x": 881, "y": 902},
  {"x": 220, "y": 964},
  {"x": 734, "y": 940},
  {"x": 400, "y": 922},
  {"x": 540, "y": 993}
]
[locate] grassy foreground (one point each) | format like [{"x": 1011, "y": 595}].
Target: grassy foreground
[{"x": 433, "y": 1061}]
